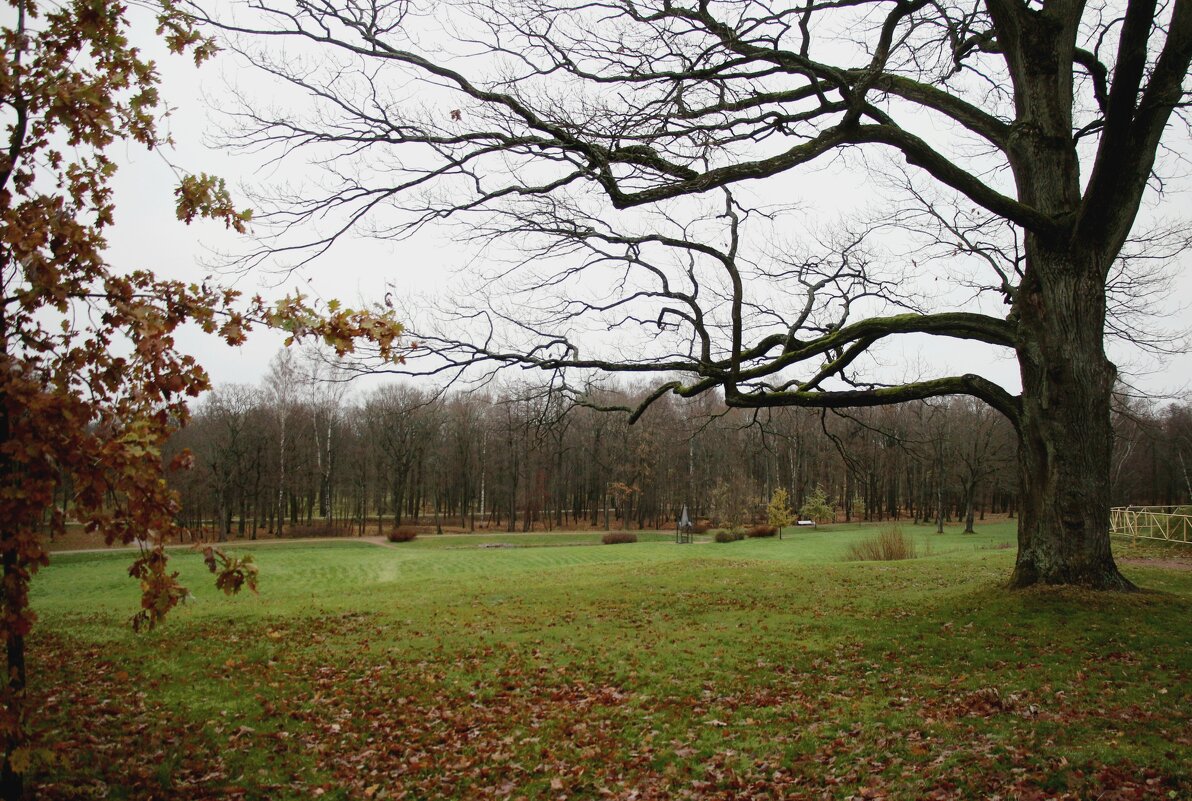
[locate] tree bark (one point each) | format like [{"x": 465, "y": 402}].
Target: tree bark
[
  {"x": 970, "y": 500},
  {"x": 12, "y": 784},
  {"x": 12, "y": 603},
  {"x": 1065, "y": 437}
]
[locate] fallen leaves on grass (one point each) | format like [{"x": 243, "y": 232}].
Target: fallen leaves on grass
[{"x": 330, "y": 712}]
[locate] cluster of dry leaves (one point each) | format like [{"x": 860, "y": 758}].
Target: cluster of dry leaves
[{"x": 511, "y": 722}]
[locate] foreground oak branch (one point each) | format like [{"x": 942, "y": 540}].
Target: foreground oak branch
[{"x": 91, "y": 382}]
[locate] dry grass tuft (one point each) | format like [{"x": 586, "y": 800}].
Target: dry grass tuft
[
  {"x": 888, "y": 546},
  {"x": 762, "y": 531}
]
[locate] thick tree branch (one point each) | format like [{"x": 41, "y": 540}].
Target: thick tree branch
[
  {"x": 916, "y": 151},
  {"x": 957, "y": 325},
  {"x": 1099, "y": 74},
  {"x": 974, "y": 119},
  {"x": 967, "y": 384},
  {"x": 1134, "y": 124}
]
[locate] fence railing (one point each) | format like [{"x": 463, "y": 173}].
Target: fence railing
[{"x": 1167, "y": 523}]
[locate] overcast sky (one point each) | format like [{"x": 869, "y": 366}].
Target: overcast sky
[{"x": 148, "y": 235}]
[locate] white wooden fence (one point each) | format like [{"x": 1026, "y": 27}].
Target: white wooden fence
[{"x": 1168, "y": 523}]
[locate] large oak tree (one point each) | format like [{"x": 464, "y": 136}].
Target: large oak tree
[{"x": 1039, "y": 118}]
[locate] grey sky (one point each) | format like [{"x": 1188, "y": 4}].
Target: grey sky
[{"x": 147, "y": 234}]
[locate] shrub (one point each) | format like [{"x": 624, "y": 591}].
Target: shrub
[
  {"x": 762, "y": 531},
  {"x": 817, "y": 507},
  {"x": 729, "y": 536},
  {"x": 402, "y": 534},
  {"x": 888, "y": 546},
  {"x": 618, "y": 537},
  {"x": 699, "y": 528}
]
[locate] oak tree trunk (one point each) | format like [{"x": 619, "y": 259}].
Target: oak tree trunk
[
  {"x": 1064, "y": 434},
  {"x": 12, "y": 602},
  {"x": 12, "y": 783}
]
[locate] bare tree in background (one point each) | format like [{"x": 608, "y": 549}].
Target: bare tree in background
[
  {"x": 981, "y": 450},
  {"x": 326, "y": 386},
  {"x": 428, "y": 452},
  {"x": 1044, "y": 116},
  {"x": 232, "y": 453},
  {"x": 282, "y": 384}
]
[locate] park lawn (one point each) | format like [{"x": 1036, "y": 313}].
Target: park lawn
[{"x": 755, "y": 669}]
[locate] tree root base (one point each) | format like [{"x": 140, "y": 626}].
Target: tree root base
[{"x": 1104, "y": 579}]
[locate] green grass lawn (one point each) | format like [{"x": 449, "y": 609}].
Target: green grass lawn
[{"x": 755, "y": 669}]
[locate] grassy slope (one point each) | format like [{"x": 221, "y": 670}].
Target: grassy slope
[{"x": 762, "y": 668}]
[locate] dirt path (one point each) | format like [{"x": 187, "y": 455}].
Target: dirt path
[
  {"x": 1166, "y": 564},
  {"x": 371, "y": 540}
]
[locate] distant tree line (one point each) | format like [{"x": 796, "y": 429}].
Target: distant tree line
[
  {"x": 1152, "y": 461},
  {"x": 303, "y": 454}
]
